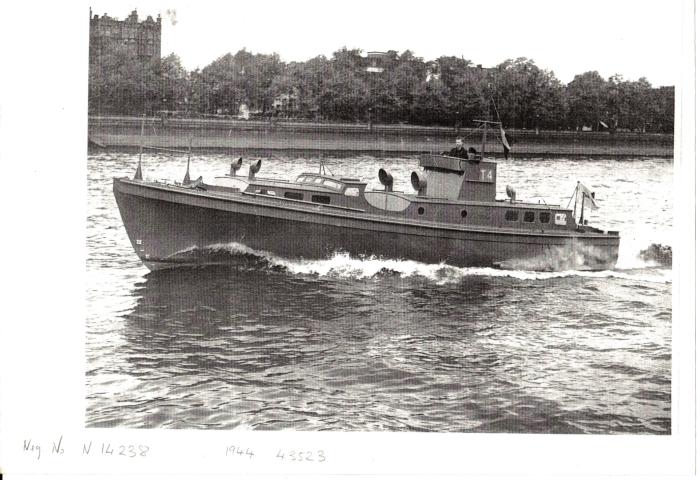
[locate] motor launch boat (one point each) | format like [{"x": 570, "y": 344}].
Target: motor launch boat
[{"x": 451, "y": 217}]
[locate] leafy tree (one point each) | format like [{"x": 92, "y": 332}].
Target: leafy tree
[
  {"x": 662, "y": 110},
  {"x": 257, "y": 72},
  {"x": 345, "y": 90},
  {"x": 310, "y": 78},
  {"x": 445, "y": 91},
  {"x": 406, "y": 78},
  {"x": 527, "y": 96},
  {"x": 199, "y": 92},
  {"x": 549, "y": 106},
  {"x": 431, "y": 104},
  {"x": 467, "y": 87},
  {"x": 120, "y": 85},
  {"x": 174, "y": 84},
  {"x": 636, "y": 103},
  {"x": 586, "y": 95},
  {"x": 629, "y": 102},
  {"x": 221, "y": 85}
]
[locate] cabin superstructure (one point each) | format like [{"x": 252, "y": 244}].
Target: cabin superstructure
[
  {"x": 308, "y": 187},
  {"x": 456, "y": 179},
  {"x": 448, "y": 190}
]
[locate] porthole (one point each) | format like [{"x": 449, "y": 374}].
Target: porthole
[
  {"x": 421, "y": 210},
  {"x": 463, "y": 213}
]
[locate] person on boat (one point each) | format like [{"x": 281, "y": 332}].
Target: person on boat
[{"x": 458, "y": 151}]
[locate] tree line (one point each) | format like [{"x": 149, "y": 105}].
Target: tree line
[{"x": 405, "y": 89}]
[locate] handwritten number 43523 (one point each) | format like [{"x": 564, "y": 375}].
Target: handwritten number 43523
[{"x": 302, "y": 455}]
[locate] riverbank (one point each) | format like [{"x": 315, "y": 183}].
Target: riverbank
[{"x": 248, "y": 137}]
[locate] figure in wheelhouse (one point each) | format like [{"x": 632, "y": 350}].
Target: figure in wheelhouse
[{"x": 459, "y": 151}]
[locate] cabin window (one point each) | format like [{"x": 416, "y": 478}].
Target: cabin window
[
  {"x": 351, "y": 192},
  {"x": 263, "y": 191},
  {"x": 293, "y": 195},
  {"x": 529, "y": 217},
  {"x": 512, "y": 215},
  {"x": 421, "y": 210},
  {"x": 333, "y": 184},
  {"x": 544, "y": 217},
  {"x": 463, "y": 213},
  {"x": 318, "y": 180},
  {"x": 321, "y": 199},
  {"x": 301, "y": 179}
]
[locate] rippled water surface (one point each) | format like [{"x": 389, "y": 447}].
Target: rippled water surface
[{"x": 380, "y": 344}]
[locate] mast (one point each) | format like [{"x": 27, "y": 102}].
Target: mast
[
  {"x": 187, "y": 178},
  {"x": 486, "y": 124},
  {"x": 139, "y": 170}
]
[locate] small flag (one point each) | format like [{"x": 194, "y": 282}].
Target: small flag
[
  {"x": 504, "y": 141},
  {"x": 587, "y": 194}
]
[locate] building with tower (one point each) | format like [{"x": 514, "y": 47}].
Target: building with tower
[{"x": 141, "y": 39}]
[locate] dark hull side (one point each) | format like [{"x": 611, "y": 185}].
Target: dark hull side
[{"x": 168, "y": 226}]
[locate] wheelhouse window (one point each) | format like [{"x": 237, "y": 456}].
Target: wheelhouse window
[
  {"x": 293, "y": 195},
  {"x": 529, "y": 217},
  {"x": 324, "y": 199},
  {"x": 351, "y": 192},
  {"x": 544, "y": 217},
  {"x": 512, "y": 215}
]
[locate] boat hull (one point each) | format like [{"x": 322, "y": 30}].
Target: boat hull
[{"x": 170, "y": 226}]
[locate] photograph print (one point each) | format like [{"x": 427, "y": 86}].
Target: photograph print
[{"x": 454, "y": 217}]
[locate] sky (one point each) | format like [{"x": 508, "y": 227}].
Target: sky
[{"x": 633, "y": 38}]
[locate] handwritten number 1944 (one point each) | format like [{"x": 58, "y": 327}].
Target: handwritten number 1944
[{"x": 238, "y": 451}]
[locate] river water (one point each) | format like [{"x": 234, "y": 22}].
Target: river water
[{"x": 354, "y": 344}]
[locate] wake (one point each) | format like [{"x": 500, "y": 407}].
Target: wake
[{"x": 343, "y": 265}]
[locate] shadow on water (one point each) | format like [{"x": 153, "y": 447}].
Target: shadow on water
[
  {"x": 384, "y": 353},
  {"x": 214, "y": 314},
  {"x": 217, "y": 318}
]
